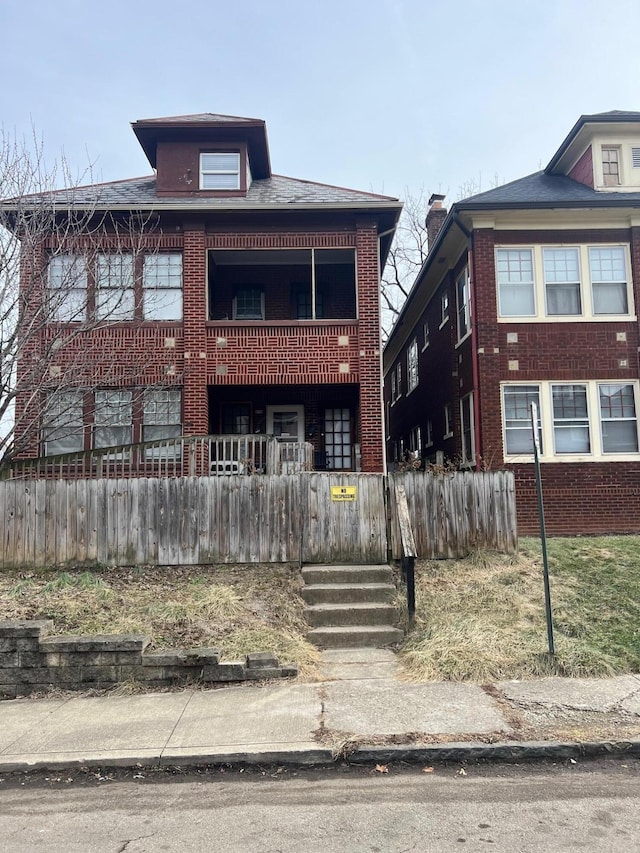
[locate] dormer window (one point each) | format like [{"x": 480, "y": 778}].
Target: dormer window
[
  {"x": 220, "y": 171},
  {"x": 610, "y": 166}
]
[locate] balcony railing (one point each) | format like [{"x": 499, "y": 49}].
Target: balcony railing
[{"x": 203, "y": 455}]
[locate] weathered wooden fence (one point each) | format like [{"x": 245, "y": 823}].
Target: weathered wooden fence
[
  {"x": 278, "y": 518},
  {"x": 455, "y": 512}
]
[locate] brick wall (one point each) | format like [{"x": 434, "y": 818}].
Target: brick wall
[
  {"x": 589, "y": 497},
  {"x": 369, "y": 346}
]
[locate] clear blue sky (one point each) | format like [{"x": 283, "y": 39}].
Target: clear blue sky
[{"x": 372, "y": 94}]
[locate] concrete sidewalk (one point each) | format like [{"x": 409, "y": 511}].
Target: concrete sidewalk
[{"x": 362, "y": 710}]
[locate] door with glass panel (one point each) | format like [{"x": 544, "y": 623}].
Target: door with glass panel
[{"x": 337, "y": 439}]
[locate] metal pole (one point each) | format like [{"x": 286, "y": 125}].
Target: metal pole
[
  {"x": 543, "y": 534},
  {"x": 408, "y": 570}
]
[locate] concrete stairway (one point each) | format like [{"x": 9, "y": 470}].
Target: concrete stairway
[{"x": 350, "y": 606}]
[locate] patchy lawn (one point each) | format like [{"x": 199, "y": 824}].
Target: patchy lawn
[
  {"x": 483, "y": 618},
  {"x": 238, "y": 609}
]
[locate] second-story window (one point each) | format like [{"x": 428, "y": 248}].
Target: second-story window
[
  {"x": 114, "y": 287},
  {"x": 516, "y": 292},
  {"x": 412, "y": 366},
  {"x": 220, "y": 170},
  {"x": 562, "y": 281},
  {"x": 463, "y": 299},
  {"x": 162, "y": 286}
]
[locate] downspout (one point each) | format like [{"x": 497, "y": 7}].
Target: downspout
[{"x": 475, "y": 368}]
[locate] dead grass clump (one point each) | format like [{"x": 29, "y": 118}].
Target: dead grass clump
[
  {"x": 483, "y": 618},
  {"x": 238, "y": 609}
]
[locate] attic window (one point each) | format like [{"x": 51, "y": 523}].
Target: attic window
[
  {"x": 610, "y": 167},
  {"x": 635, "y": 157},
  {"x": 220, "y": 171}
]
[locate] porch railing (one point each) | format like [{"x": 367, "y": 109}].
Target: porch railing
[{"x": 202, "y": 455}]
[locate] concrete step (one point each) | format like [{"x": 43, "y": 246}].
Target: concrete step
[
  {"x": 357, "y": 613},
  {"x": 355, "y": 637},
  {"x": 342, "y": 593},
  {"x": 314, "y": 575}
]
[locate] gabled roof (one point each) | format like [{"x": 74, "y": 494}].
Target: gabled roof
[{"x": 271, "y": 193}]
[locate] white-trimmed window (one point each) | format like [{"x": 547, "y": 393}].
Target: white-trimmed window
[
  {"x": 399, "y": 379},
  {"x": 220, "y": 170},
  {"x": 516, "y": 290},
  {"x": 571, "y": 432},
  {"x": 394, "y": 390},
  {"x": 162, "y": 286},
  {"x": 161, "y": 418},
  {"x": 466, "y": 425},
  {"x": 113, "y": 423},
  {"x": 114, "y": 287},
  {"x": 448, "y": 421},
  {"x": 611, "y": 165},
  {"x": 415, "y": 442},
  {"x": 67, "y": 288},
  {"x": 428, "y": 434},
  {"x": 564, "y": 283},
  {"x": 62, "y": 423},
  {"x": 608, "y": 272},
  {"x": 463, "y": 303},
  {"x": 248, "y": 303},
  {"x": 444, "y": 308},
  {"x": 425, "y": 335},
  {"x": 618, "y": 419},
  {"x": 412, "y": 366},
  {"x": 579, "y": 421},
  {"x": 516, "y": 406}
]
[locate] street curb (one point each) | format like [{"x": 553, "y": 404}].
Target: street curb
[
  {"x": 502, "y": 751},
  {"x": 461, "y": 752}
]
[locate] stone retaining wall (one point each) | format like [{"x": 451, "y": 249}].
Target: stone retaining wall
[{"x": 32, "y": 662}]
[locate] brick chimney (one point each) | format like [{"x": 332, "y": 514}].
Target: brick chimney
[{"x": 436, "y": 215}]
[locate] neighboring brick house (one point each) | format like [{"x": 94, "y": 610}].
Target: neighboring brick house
[
  {"x": 270, "y": 315},
  {"x": 530, "y": 293}
]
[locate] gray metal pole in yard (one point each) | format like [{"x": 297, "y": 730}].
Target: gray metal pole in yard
[{"x": 543, "y": 534}]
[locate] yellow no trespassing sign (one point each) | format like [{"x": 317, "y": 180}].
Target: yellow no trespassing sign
[{"x": 344, "y": 493}]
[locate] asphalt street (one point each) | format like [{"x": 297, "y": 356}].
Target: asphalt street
[{"x": 517, "y": 809}]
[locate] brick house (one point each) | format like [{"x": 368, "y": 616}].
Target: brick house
[
  {"x": 269, "y": 317},
  {"x": 529, "y": 294}
]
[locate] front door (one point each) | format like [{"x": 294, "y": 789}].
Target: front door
[
  {"x": 286, "y": 422},
  {"x": 337, "y": 439}
]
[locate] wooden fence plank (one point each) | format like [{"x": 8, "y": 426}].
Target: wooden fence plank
[{"x": 251, "y": 518}]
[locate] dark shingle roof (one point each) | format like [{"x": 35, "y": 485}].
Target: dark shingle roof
[
  {"x": 195, "y": 118},
  {"x": 275, "y": 191},
  {"x": 543, "y": 190}
]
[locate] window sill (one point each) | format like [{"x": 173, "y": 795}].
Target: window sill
[
  {"x": 426, "y": 346},
  {"x": 447, "y": 435},
  {"x": 572, "y": 318},
  {"x": 443, "y": 323},
  {"x": 577, "y": 459},
  {"x": 463, "y": 339}
]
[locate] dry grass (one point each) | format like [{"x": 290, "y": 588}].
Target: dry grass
[
  {"x": 238, "y": 609},
  {"x": 482, "y": 618}
]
